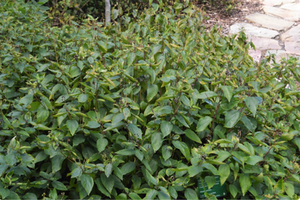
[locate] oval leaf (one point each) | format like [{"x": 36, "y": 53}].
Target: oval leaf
[
  {"x": 72, "y": 126},
  {"x": 135, "y": 131},
  {"x": 151, "y": 92},
  {"x": 231, "y": 118},
  {"x": 193, "y": 136},
  {"x": 203, "y": 123},
  {"x": 166, "y": 128},
  {"x": 87, "y": 183},
  {"x": 251, "y": 103}
]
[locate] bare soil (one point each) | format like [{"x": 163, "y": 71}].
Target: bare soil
[{"x": 219, "y": 14}]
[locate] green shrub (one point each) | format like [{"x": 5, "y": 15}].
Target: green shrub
[{"x": 142, "y": 109}]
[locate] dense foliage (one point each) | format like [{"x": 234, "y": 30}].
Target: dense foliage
[
  {"x": 142, "y": 109},
  {"x": 63, "y": 12}
]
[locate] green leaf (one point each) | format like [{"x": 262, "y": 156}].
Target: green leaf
[
  {"x": 26, "y": 100},
  {"x": 183, "y": 148},
  {"x": 131, "y": 58},
  {"x": 163, "y": 194},
  {"x": 166, "y": 152},
  {"x": 4, "y": 192},
  {"x": 253, "y": 192},
  {"x": 59, "y": 186},
  {"x": 203, "y": 123},
  {"x": 134, "y": 196},
  {"x": 245, "y": 183},
  {"x": 118, "y": 172},
  {"x": 10, "y": 159},
  {"x": 76, "y": 172},
  {"x": 190, "y": 194},
  {"x": 57, "y": 162},
  {"x": 101, "y": 188},
  {"x": 13, "y": 195},
  {"x": 74, "y": 71},
  {"x": 115, "y": 13},
  {"x": 228, "y": 92},
  {"x": 83, "y": 98},
  {"x": 224, "y": 171},
  {"x": 149, "y": 177},
  {"x": 128, "y": 167},
  {"x": 101, "y": 144},
  {"x": 156, "y": 48},
  {"x": 72, "y": 126},
  {"x": 87, "y": 182},
  {"x": 231, "y": 118},
  {"x": 255, "y": 85},
  {"x": 252, "y": 160},
  {"x": 194, "y": 170},
  {"x": 185, "y": 100},
  {"x": 166, "y": 128},
  {"x": 173, "y": 192},
  {"x": 244, "y": 148},
  {"x": 108, "y": 182},
  {"x": 297, "y": 142},
  {"x": 248, "y": 123},
  {"x": 91, "y": 60},
  {"x": 151, "y": 92},
  {"x": 182, "y": 121},
  {"x": 219, "y": 130},
  {"x": 207, "y": 95},
  {"x": 62, "y": 98},
  {"x": 211, "y": 168},
  {"x": 162, "y": 110},
  {"x": 139, "y": 154},
  {"x": 233, "y": 190},
  {"x": 289, "y": 189},
  {"x": 78, "y": 139},
  {"x": 137, "y": 132},
  {"x": 106, "y": 97},
  {"x": 151, "y": 194},
  {"x": 265, "y": 90},
  {"x": 93, "y": 124},
  {"x": 136, "y": 181},
  {"x": 46, "y": 102},
  {"x": 117, "y": 118},
  {"x": 252, "y": 104},
  {"x": 108, "y": 170},
  {"x": 28, "y": 196},
  {"x": 210, "y": 181},
  {"x": 43, "y": 127},
  {"x": 126, "y": 113},
  {"x": 126, "y": 152},
  {"x": 42, "y": 115},
  {"x": 156, "y": 141},
  {"x": 222, "y": 155},
  {"x": 193, "y": 136}
]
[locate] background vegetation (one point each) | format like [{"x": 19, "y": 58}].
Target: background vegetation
[{"x": 143, "y": 108}]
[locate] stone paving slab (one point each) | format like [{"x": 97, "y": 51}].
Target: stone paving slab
[
  {"x": 292, "y": 6},
  {"x": 292, "y": 35},
  {"x": 293, "y": 48},
  {"x": 256, "y": 55},
  {"x": 269, "y": 21},
  {"x": 253, "y": 31},
  {"x": 265, "y": 43},
  {"x": 290, "y": 15},
  {"x": 279, "y": 54},
  {"x": 276, "y": 2}
]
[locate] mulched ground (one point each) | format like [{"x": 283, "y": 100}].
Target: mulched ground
[{"x": 219, "y": 14}]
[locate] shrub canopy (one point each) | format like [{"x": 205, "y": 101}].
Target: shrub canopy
[{"x": 141, "y": 109}]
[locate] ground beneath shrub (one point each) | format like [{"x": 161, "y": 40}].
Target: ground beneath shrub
[{"x": 218, "y": 15}]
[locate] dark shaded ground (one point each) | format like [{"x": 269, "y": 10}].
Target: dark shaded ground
[{"x": 220, "y": 14}]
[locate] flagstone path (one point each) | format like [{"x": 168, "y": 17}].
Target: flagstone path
[{"x": 277, "y": 31}]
